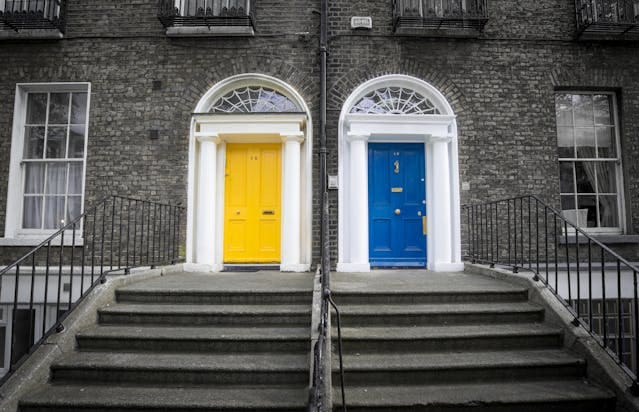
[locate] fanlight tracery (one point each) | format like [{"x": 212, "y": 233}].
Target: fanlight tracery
[
  {"x": 394, "y": 100},
  {"x": 254, "y": 99}
]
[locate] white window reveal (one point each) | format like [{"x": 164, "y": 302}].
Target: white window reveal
[
  {"x": 590, "y": 161},
  {"x": 48, "y": 158},
  {"x": 394, "y": 100}
]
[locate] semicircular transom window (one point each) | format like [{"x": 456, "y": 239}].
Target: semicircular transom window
[
  {"x": 394, "y": 100},
  {"x": 254, "y": 99}
]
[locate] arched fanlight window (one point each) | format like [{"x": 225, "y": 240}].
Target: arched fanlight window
[
  {"x": 254, "y": 99},
  {"x": 394, "y": 100}
]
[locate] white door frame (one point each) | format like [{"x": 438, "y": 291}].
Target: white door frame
[
  {"x": 438, "y": 132},
  {"x": 209, "y": 135}
]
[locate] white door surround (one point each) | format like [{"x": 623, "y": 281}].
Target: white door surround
[
  {"x": 375, "y": 114},
  {"x": 207, "y": 156}
]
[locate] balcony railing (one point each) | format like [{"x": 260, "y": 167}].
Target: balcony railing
[
  {"x": 607, "y": 19},
  {"x": 207, "y": 17},
  {"x": 19, "y": 15},
  {"x": 456, "y": 18}
]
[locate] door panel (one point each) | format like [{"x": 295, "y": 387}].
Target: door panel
[
  {"x": 396, "y": 181},
  {"x": 252, "y": 212}
]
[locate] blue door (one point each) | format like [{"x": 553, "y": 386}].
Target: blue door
[{"x": 396, "y": 204}]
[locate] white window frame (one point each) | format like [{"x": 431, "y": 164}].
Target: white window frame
[
  {"x": 618, "y": 164},
  {"x": 14, "y": 234}
]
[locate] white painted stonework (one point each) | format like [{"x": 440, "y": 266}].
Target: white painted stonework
[
  {"x": 438, "y": 132},
  {"x": 210, "y": 132}
]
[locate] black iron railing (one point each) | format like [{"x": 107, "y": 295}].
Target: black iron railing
[
  {"x": 606, "y": 18},
  {"x": 597, "y": 285},
  {"x": 116, "y": 234},
  {"x": 33, "y": 15},
  {"x": 410, "y": 15},
  {"x": 206, "y": 12}
]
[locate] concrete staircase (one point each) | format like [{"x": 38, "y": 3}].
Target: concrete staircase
[
  {"x": 453, "y": 344},
  {"x": 180, "y": 344}
]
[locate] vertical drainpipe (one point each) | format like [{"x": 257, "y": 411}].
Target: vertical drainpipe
[
  {"x": 325, "y": 368},
  {"x": 323, "y": 151}
]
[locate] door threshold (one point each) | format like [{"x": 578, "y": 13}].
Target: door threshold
[{"x": 250, "y": 267}]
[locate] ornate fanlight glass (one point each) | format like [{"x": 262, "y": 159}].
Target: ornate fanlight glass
[
  {"x": 254, "y": 99},
  {"x": 394, "y": 100}
]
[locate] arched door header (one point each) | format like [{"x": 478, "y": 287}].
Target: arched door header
[{"x": 394, "y": 100}]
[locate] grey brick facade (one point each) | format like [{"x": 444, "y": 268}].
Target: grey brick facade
[{"x": 500, "y": 85}]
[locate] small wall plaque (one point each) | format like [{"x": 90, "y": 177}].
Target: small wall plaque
[
  {"x": 361, "y": 22},
  {"x": 333, "y": 182}
]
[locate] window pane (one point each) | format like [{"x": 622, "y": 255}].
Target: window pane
[
  {"x": 602, "y": 109},
  {"x": 563, "y": 104},
  {"x": 587, "y": 206},
  {"x": 606, "y": 142},
  {"x": 37, "y": 108},
  {"x": 56, "y": 142},
  {"x": 568, "y": 209},
  {"x": 75, "y": 178},
  {"x": 33, "y": 142},
  {"x": 585, "y": 174},
  {"x": 34, "y": 179},
  {"x": 606, "y": 177},
  {"x": 59, "y": 108},
  {"x": 78, "y": 108},
  {"x": 3, "y": 337},
  {"x": 54, "y": 212},
  {"x": 608, "y": 211},
  {"x": 583, "y": 109},
  {"x": 585, "y": 141},
  {"x": 565, "y": 141},
  {"x": 32, "y": 212},
  {"x": 567, "y": 184},
  {"x": 56, "y": 179},
  {"x": 76, "y": 142},
  {"x": 73, "y": 205}
]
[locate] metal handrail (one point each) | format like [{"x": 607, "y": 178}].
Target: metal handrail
[
  {"x": 525, "y": 233},
  {"x": 117, "y": 234},
  {"x": 33, "y": 14}
]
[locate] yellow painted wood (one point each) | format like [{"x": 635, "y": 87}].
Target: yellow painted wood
[{"x": 252, "y": 203}]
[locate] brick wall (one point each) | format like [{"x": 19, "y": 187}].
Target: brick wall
[{"x": 500, "y": 85}]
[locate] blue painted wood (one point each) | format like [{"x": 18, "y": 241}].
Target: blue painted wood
[{"x": 396, "y": 239}]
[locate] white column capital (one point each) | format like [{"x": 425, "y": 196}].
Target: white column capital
[
  {"x": 295, "y": 137},
  {"x": 208, "y": 137},
  {"x": 439, "y": 139},
  {"x": 358, "y": 137}
]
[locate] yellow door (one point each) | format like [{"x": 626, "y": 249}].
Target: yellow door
[{"x": 252, "y": 203}]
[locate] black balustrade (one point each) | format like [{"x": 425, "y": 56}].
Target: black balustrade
[
  {"x": 109, "y": 237},
  {"x": 465, "y": 18},
  {"x": 33, "y": 15},
  {"x": 205, "y": 12},
  {"x": 597, "y": 285},
  {"x": 607, "y": 19}
]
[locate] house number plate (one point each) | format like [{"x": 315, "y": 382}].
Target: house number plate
[{"x": 397, "y": 189}]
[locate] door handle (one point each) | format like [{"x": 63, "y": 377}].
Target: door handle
[
  {"x": 268, "y": 212},
  {"x": 398, "y": 212}
]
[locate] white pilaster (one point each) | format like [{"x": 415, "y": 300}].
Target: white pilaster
[
  {"x": 441, "y": 207},
  {"x": 358, "y": 213},
  {"x": 205, "y": 246},
  {"x": 291, "y": 204}
]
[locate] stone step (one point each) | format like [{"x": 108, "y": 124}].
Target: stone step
[
  {"x": 440, "y": 313},
  {"x": 459, "y": 367},
  {"x": 189, "y": 314},
  {"x": 556, "y": 396},
  {"x": 182, "y": 368},
  {"x": 510, "y": 294},
  {"x": 448, "y": 338},
  {"x": 103, "y": 398},
  {"x": 195, "y": 339},
  {"x": 212, "y": 297}
]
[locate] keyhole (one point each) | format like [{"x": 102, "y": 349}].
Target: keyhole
[{"x": 396, "y": 166}]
